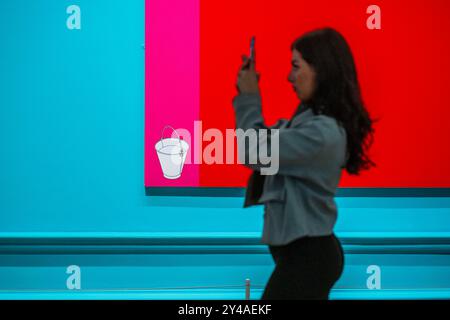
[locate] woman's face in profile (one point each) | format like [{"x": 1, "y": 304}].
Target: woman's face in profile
[{"x": 302, "y": 77}]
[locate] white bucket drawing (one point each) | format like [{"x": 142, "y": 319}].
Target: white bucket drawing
[{"x": 171, "y": 154}]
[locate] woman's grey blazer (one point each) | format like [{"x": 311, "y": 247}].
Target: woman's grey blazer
[{"x": 299, "y": 199}]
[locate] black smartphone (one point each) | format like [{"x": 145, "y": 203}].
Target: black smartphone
[
  {"x": 252, "y": 52},
  {"x": 252, "y": 48}
]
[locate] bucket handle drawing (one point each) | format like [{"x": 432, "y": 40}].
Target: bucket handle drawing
[
  {"x": 173, "y": 130},
  {"x": 171, "y": 162}
]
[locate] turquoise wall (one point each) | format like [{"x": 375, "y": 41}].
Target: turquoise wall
[
  {"x": 72, "y": 183},
  {"x": 72, "y": 117}
]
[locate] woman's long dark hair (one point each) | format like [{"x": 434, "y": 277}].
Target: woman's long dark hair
[{"x": 337, "y": 92}]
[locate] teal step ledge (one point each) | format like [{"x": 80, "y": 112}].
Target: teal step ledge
[
  {"x": 217, "y": 294},
  {"x": 209, "y": 242}
]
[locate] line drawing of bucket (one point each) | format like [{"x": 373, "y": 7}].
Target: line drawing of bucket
[{"x": 171, "y": 154}]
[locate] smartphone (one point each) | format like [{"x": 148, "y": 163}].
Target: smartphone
[
  {"x": 252, "y": 52},
  {"x": 252, "y": 48}
]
